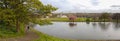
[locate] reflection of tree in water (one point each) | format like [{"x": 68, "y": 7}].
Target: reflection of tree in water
[
  {"x": 116, "y": 25},
  {"x": 104, "y": 25},
  {"x": 94, "y": 24},
  {"x": 72, "y": 24},
  {"x": 87, "y": 22}
]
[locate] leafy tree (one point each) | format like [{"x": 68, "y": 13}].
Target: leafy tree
[
  {"x": 116, "y": 17},
  {"x": 15, "y": 12},
  {"x": 47, "y": 9},
  {"x": 72, "y": 18},
  {"x": 104, "y": 16}
]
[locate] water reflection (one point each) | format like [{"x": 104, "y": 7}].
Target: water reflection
[
  {"x": 104, "y": 25},
  {"x": 94, "y": 24},
  {"x": 116, "y": 25},
  {"x": 87, "y": 22},
  {"x": 72, "y": 24},
  {"x": 81, "y": 30}
]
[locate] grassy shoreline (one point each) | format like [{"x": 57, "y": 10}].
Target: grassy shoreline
[
  {"x": 66, "y": 19},
  {"x": 79, "y": 20}
]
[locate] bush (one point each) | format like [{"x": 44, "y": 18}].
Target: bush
[
  {"x": 10, "y": 31},
  {"x": 87, "y": 20}
]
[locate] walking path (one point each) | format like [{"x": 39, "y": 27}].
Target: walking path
[{"x": 29, "y": 36}]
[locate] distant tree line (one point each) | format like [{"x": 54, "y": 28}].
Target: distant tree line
[{"x": 110, "y": 17}]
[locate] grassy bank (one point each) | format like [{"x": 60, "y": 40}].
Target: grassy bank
[
  {"x": 9, "y": 32},
  {"x": 67, "y": 20},
  {"x": 80, "y": 20}
]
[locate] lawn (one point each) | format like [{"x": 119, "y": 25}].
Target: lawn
[
  {"x": 80, "y": 20},
  {"x": 66, "y": 19}
]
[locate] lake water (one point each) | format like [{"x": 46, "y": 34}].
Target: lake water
[{"x": 82, "y": 30}]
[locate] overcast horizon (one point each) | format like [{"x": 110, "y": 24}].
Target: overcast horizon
[{"x": 85, "y": 6}]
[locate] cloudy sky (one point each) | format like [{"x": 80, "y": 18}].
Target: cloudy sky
[{"x": 89, "y": 6}]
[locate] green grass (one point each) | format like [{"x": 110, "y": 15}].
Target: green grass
[
  {"x": 80, "y": 20},
  {"x": 10, "y": 35},
  {"x": 66, "y": 19},
  {"x": 10, "y": 32}
]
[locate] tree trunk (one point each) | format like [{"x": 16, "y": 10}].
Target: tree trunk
[
  {"x": 117, "y": 19},
  {"x": 17, "y": 26}
]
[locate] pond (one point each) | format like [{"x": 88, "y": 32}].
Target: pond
[{"x": 82, "y": 30}]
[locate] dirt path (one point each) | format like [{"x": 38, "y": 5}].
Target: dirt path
[{"x": 29, "y": 36}]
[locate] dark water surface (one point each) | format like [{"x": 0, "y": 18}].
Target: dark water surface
[{"x": 82, "y": 30}]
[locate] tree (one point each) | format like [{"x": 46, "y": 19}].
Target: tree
[
  {"x": 13, "y": 13},
  {"x": 116, "y": 16},
  {"x": 72, "y": 18},
  {"x": 104, "y": 16},
  {"x": 47, "y": 9}
]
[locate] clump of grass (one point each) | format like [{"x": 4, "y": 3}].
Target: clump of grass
[{"x": 10, "y": 31}]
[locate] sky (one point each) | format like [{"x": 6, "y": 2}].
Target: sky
[{"x": 85, "y": 6}]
